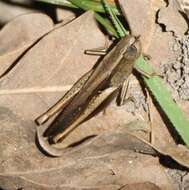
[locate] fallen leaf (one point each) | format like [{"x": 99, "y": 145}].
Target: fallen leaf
[
  {"x": 80, "y": 167},
  {"x": 64, "y": 15},
  {"x": 9, "y": 12},
  {"x": 162, "y": 142},
  {"x": 171, "y": 18},
  {"x": 58, "y": 59},
  {"x": 162, "y": 42},
  {"x": 61, "y": 51},
  {"x": 27, "y": 30}
]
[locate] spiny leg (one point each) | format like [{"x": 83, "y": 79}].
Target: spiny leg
[
  {"x": 124, "y": 91},
  {"x": 62, "y": 102},
  {"x": 123, "y": 94},
  {"x": 150, "y": 117}
]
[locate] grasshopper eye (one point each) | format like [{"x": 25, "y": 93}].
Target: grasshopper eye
[{"x": 130, "y": 53}]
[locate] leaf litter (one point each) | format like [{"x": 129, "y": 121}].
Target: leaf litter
[
  {"x": 49, "y": 64},
  {"x": 27, "y": 30}
]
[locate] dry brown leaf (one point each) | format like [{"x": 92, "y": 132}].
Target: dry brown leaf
[
  {"x": 163, "y": 141},
  {"x": 56, "y": 60},
  {"x": 179, "y": 153},
  {"x": 64, "y": 15},
  {"x": 171, "y": 18},
  {"x": 19, "y": 34},
  {"x": 9, "y": 12},
  {"x": 25, "y": 167},
  {"x": 162, "y": 43}
]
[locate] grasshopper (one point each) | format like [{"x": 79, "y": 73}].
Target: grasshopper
[{"x": 103, "y": 81}]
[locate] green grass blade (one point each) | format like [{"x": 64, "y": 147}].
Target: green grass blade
[
  {"x": 89, "y": 5},
  {"x": 103, "y": 21},
  {"x": 115, "y": 20},
  {"x": 164, "y": 99},
  {"x": 93, "y": 5},
  {"x": 86, "y": 4},
  {"x": 107, "y": 25},
  {"x": 59, "y": 2}
]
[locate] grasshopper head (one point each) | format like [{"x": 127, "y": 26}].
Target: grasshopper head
[{"x": 133, "y": 49}]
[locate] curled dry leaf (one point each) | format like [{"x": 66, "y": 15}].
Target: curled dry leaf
[
  {"x": 80, "y": 167},
  {"x": 166, "y": 147},
  {"x": 19, "y": 34},
  {"x": 179, "y": 153},
  {"x": 172, "y": 19},
  {"x": 164, "y": 143}
]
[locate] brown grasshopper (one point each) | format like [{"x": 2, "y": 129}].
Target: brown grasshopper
[{"x": 89, "y": 92}]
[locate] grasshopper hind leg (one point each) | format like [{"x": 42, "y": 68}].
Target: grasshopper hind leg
[{"x": 93, "y": 108}]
